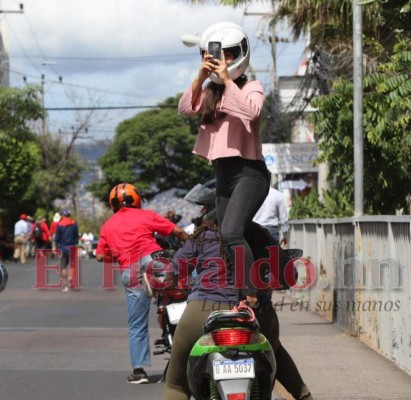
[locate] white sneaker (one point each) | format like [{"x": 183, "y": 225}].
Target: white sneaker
[{"x": 66, "y": 289}]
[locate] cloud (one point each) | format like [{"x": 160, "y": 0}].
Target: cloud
[
  {"x": 122, "y": 52},
  {"x": 105, "y": 28}
]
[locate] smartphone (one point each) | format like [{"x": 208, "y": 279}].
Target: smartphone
[{"x": 214, "y": 48}]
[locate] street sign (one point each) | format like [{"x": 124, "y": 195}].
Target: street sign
[{"x": 287, "y": 158}]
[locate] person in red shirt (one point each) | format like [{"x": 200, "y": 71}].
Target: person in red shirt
[
  {"x": 128, "y": 237},
  {"x": 53, "y": 231},
  {"x": 41, "y": 235}
]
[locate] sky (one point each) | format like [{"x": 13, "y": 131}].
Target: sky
[{"x": 123, "y": 53}]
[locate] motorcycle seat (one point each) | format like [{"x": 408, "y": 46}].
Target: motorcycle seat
[{"x": 229, "y": 319}]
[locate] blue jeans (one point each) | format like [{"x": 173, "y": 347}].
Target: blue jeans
[{"x": 138, "y": 307}]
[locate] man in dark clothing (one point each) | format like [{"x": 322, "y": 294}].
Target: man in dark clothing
[{"x": 67, "y": 242}]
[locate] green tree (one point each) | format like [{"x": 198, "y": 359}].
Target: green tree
[
  {"x": 153, "y": 150},
  {"x": 329, "y": 26},
  {"x": 19, "y": 152},
  {"x": 59, "y": 170},
  {"x": 387, "y": 31},
  {"x": 334, "y": 205},
  {"x": 34, "y": 170},
  {"x": 387, "y": 134}
]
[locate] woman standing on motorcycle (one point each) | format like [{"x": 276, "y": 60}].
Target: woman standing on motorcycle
[
  {"x": 204, "y": 245},
  {"x": 229, "y": 138}
]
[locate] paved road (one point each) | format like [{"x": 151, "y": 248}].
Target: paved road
[{"x": 74, "y": 345}]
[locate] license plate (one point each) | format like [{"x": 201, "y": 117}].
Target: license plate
[{"x": 233, "y": 369}]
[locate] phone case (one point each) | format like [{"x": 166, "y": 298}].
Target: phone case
[{"x": 214, "y": 48}]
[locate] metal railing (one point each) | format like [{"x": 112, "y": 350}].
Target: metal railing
[{"x": 357, "y": 275}]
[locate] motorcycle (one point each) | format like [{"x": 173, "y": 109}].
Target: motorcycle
[
  {"x": 170, "y": 303},
  {"x": 170, "y": 307},
  {"x": 232, "y": 360}
]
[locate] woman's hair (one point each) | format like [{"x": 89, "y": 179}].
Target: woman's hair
[
  {"x": 214, "y": 92},
  {"x": 198, "y": 238}
]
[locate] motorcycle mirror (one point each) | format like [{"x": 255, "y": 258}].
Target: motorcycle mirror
[{"x": 4, "y": 276}]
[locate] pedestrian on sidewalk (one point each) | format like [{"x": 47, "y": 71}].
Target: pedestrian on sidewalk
[{"x": 128, "y": 237}]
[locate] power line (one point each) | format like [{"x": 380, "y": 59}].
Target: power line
[
  {"x": 114, "y": 58},
  {"x": 64, "y": 83},
  {"x": 106, "y": 108}
]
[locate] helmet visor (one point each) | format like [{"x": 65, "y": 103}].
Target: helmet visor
[{"x": 234, "y": 52}]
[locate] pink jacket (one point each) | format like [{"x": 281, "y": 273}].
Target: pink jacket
[{"x": 236, "y": 133}]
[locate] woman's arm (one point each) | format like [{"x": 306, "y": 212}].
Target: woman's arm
[
  {"x": 206, "y": 68},
  {"x": 245, "y": 103},
  {"x": 190, "y": 101}
]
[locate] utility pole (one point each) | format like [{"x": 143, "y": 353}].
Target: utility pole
[
  {"x": 358, "y": 111},
  {"x": 43, "y": 127},
  {"x": 43, "y": 119},
  {"x": 4, "y": 57},
  {"x": 272, "y": 40},
  {"x": 275, "y": 120}
]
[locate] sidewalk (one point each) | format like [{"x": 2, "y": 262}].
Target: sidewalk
[{"x": 333, "y": 364}]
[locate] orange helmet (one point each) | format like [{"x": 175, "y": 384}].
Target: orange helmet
[{"x": 124, "y": 195}]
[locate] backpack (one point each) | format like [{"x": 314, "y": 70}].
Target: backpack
[{"x": 37, "y": 232}]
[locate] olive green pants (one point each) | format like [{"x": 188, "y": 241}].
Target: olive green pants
[{"x": 189, "y": 330}]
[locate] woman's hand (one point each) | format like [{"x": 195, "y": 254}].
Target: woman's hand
[
  {"x": 209, "y": 64},
  {"x": 220, "y": 69},
  {"x": 206, "y": 68}
]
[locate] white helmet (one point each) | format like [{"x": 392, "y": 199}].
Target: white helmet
[{"x": 231, "y": 37}]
